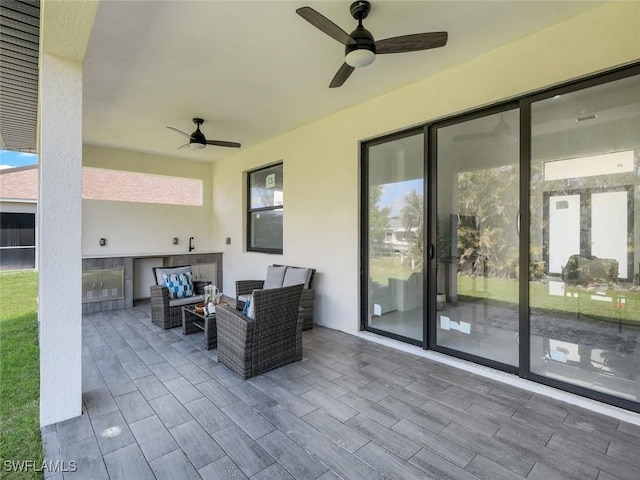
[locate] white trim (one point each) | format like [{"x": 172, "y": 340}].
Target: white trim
[
  {"x": 18, "y": 200},
  {"x": 507, "y": 378}
]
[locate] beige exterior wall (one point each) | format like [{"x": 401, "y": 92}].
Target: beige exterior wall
[
  {"x": 321, "y": 160},
  {"x": 145, "y": 228}
]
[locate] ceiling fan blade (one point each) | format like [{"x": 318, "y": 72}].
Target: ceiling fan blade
[
  {"x": 186, "y": 145},
  {"x": 222, "y": 143},
  {"x": 180, "y": 132},
  {"x": 341, "y": 75},
  {"x": 412, "y": 43},
  {"x": 325, "y": 25}
]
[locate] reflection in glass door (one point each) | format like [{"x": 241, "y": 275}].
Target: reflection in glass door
[
  {"x": 609, "y": 228},
  {"x": 584, "y": 289},
  {"x": 395, "y": 236},
  {"x": 564, "y": 230},
  {"x": 477, "y": 243}
]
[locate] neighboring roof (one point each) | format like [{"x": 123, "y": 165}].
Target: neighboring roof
[
  {"x": 19, "y": 183},
  {"x": 19, "y": 47}
]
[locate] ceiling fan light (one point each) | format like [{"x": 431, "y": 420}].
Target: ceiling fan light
[
  {"x": 360, "y": 57},
  {"x": 197, "y": 146}
]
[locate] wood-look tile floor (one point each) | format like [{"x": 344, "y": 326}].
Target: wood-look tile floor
[{"x": 157, "y": 405}]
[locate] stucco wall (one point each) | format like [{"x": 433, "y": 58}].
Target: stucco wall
[
  {"x": 145, "y": 228},
  {"x": 58, "y": 239},
  {"x": 321, "y": 160}
]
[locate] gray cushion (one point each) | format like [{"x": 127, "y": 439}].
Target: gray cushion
[
  {"x": 169, "y": 270},
  {"x": 177, "y": 302},
  {"x": 275, "y": 277},
  {"x": 297, "y": 276},
  {"x": 244, "y": 298}
]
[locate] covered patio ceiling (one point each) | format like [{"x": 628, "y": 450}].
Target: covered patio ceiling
[{"x": 255, "y": 70}]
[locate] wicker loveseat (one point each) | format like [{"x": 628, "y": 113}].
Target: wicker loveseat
[
  {"x": 271, "y": 339},
  {"x": 167, "y": 312},
  {"x": 282, "y": 276}
]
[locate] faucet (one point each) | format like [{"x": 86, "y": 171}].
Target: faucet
[{"x": 191, "y": 247}]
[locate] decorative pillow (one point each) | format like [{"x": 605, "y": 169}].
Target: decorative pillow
[
  {"x": 161, "y": 271},
  {"x": 297, "y": 276},
  {"x": 275, "y": 276},
  {"x": 248, "y": 310},
  {"x": 179, "y": 284}
]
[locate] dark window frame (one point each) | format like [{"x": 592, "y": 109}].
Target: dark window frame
[{"x": 250, "y": 211}]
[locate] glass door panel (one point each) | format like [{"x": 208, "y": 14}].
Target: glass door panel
[
  {"x": 584, "y": 235},
  {"x": 477, "y": 251},
  {"x": 395, "y": 256}
]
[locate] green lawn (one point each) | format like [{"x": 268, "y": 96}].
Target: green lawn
[
  {"x": 616, "y": 305},
  {"x": 587, "y": 302},
  {"x": 20, "y": 438},
  {"x": 391, "y": 266}
]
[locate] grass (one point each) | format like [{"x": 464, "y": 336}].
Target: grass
[
  {"x": 20, "y": 438},
  {"x": 391, "y": 266},
  {"x": 587, "y": 302}
]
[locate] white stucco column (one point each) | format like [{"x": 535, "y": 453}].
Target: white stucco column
[{"x": 60, "y": 239}]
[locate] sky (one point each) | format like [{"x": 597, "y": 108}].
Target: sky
[
  {"x": 393, "y": 194},
  {"x": 9, "y": 159}
]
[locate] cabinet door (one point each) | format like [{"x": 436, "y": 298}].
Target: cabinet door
[
  {"x": 111, "y": 284},
  {"x": 89, "y": 285},
  {"x": 205, "y": 272}
]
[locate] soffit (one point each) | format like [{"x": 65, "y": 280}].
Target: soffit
[{"x": 19, "y": 46}]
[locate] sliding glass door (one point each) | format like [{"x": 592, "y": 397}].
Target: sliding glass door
[
  {"x": 476, "y": 240},
  {"x": 585, "y": 237},
  {"x": 394, "y": 252},
  {"x": 513, "y": 240}
]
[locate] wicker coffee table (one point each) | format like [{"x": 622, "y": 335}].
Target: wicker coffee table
[{"x": 193, "y": 321}]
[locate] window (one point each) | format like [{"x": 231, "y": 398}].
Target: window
[
  {"x": 17, "y": 240},
  {"x": 265, "y": 209},
  {"x": 122, "y": 186}
]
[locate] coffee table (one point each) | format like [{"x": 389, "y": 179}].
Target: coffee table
[{"x": 193, "y": 321}]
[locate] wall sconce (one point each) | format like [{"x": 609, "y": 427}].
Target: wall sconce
[
  {"x": 175, "y": 240},
  {"x": 103, "y": 242}
]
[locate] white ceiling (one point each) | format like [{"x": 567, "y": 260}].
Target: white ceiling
[{"x": 255, "y": 69}]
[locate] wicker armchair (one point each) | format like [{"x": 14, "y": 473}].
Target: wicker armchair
[
  {"x": 167, "y": 312},
  {"x": 271, "y": 339},
  {"x": 244, "y": 288}
]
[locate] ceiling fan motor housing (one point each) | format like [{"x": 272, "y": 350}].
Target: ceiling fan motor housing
[
  {"x": 359, "y": 10},
  {"x": 198, "y": 137},
  {"x": 363, "y": 52}
]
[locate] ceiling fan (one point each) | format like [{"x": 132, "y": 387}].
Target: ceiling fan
[
  {"x": 198, "y": 141},
  {"x": 360, "y": 47}
]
